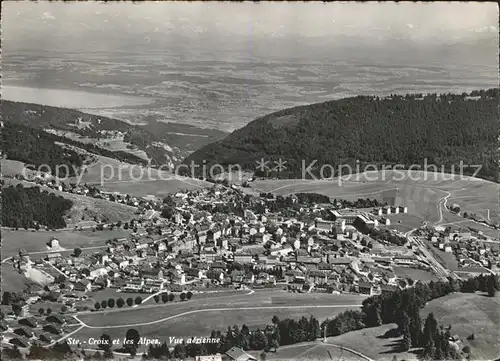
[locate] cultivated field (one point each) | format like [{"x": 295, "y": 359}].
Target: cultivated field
[
  {"x": 471, "y": 313},
  {"x": 35, "y": 241}
]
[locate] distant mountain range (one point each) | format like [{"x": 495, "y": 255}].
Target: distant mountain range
[{"x": 405, "y": 130}]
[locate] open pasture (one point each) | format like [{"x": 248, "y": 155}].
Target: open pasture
[
  {"x": 202, "y": 324},
  {"x": 271, "y": 299},
  {"x": 469, "y": 313},
  {"x": 312, "y": 352},
  {"x": 372, "y": 343}
]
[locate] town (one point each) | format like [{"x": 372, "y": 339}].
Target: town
[{"x": 194, "y": 243}]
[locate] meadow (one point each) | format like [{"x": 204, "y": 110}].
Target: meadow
[
  {"x": 204, "y": 315},
  {"x": 471, "y": 313}
]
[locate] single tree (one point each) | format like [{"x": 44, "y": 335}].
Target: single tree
[
  {"x": 104, "y": 304},
  {"x": 130, "y": 300},
  {"x": 111, "y": 303},
  {"x": 41, "y": 311},
  {"x": 120, "y": 303},
  {"x": 171, "y": 297},
  {"x": 157, "y": 298},
  {"x": 189, "y": 295},
  {"x": 164, "y": 297},
  {"x": 48, "y": 311},
  {"x": 491, "y": 287},
  {"x": 105, "y": 342},
  {"x": 77, "y": 252},
  {"x": 97, "y": 305},
  {"x": 183, "y": 296},
  {"x": 132, "y": 338},
  {"x": 138, "y": 300}
]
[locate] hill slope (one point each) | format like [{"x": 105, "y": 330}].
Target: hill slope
[
  {"x": 162, "y": 142},
  {"x": 444, "y": 129}
]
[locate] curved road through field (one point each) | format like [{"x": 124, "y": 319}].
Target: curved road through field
[{"x": 212, "y": 310}]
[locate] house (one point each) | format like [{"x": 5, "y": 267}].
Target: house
[
  {"x": 53, "y": 257},
  {"x": 134, "y": 284},
  {"x": 28, "y": 321},
  {"x": 237, "y": 276},
  {"x": 23, "y": 331},
  {"x": 83, "y": 285},
  {"x": 365, "y": 288},
  {"x": 55, "y": 318},
  {"x": 242, "y": 258},
  {"x": 45, "y": 337},
  {"x": 394, "y": 210},
  {"x": 403, "y": 209},
  {"x": 316, "y": 277},
  {"x": 52, "y": 328},
  {"x": 19, "y": 342},
  {"x": 237, "y": 354},
  {"x": 323, "y": 225},
  {"x": 53, "y": 243},
  {"x": 388, "y": 289}
]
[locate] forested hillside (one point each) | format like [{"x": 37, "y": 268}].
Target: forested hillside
[
  {"x": 36, "y": 147},
  {"x": 30, "y": 208},
  {"x": 444, "y": 129},
  {"x": 159, "y": 140}
]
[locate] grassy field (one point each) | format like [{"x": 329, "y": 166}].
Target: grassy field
[
  {"x": 12, "y": 240},
  {"x": 259, "y": 308},
  {"x": 11, "y": 168},
  {"x": 12, "y": 280},
  {"x": 267, "y": 298},
  {"x": 471, "y": 313},
  {"x": 314, "y": 352},
  {"x": 414, "y": 274},
  {"x": 372, "y": 343}
]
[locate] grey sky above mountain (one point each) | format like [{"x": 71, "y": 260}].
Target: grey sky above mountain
[{"x": 25, "y": 21}]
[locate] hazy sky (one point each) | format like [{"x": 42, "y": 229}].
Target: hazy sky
[{"x": 416, "y": 20}]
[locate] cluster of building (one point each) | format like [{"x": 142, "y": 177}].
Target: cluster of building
[
  {"x": 198, "y": 249},
  {"x": 471, "y": 249},
  {"x": 33, "y": 329}
]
